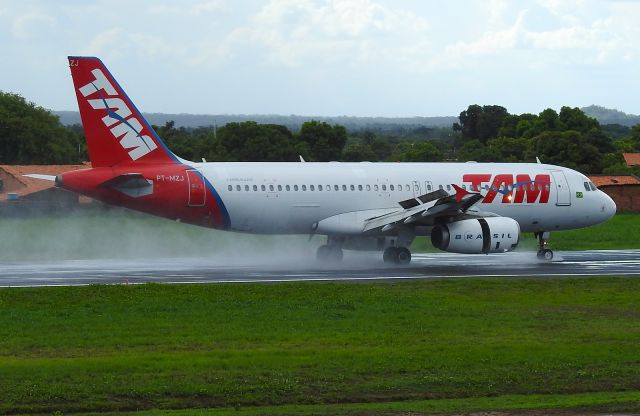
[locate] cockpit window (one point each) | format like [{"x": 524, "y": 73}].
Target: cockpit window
[
  {"x": 587, "y": 186},
  {"x": 593, "y": 187}
]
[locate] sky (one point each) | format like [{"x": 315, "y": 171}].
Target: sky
[{"x": 330, "y": 58}]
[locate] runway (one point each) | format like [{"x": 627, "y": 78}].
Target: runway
[{"x": 356, "y": 267}]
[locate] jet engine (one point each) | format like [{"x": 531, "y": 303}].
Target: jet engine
[{"x": 475, "y": 236}]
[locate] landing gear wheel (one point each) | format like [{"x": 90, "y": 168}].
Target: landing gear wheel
[
  {"x": 403, "y": 255},
  {"x": 544, "y": 253},
  {"x": 396, "y": 255},
  {"x": 390, "y": 255}
]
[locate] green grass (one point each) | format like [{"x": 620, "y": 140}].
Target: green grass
[{"x": 468, "y": 343}]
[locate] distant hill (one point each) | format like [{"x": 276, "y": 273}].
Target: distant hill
[
  {"x": 611, "y": 116},
  {"x": 293, "y": 122}
]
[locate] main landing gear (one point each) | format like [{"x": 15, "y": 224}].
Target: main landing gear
[
  {"x": 329, "y": 253},
  {"x": 396, "y": 255},
  {"x": 544, "y": 253}
]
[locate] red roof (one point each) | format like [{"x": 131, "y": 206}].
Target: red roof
[
  {"x": 632, "y": 159},
  {"x": 614, "y": 180},
  {"x": 36, "y": 185}
]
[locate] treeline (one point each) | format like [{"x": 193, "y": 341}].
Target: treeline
[
  {"x": 569, "y": 138},
  {"x": 32, "y": 135}
]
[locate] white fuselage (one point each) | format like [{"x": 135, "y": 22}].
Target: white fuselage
[{"x": 277, "y": 198}]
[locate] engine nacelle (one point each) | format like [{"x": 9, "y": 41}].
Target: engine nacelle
[{"x": 475, "y": 236}]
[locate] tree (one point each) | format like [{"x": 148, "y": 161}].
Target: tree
[
  {"x": 250, "y": 141},
  {"x": 32, "y": 135},
  {"x": 416, "y": 152},
  {"x": 325, "y": 142},
  {"x": 475, "y": 150},
  {"x": 358, "y": 152},
  {"x": 481, "y": 123},
  {"x": 508, "y": 149},
  {"x": 567, "y": 148}
]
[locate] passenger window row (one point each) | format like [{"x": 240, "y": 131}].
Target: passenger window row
[{"x": 280, "y": 188}]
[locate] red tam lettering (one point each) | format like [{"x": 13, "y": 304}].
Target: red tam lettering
[
  {"x": 499, "y": 181},
  {"x": 476, "y": 179},
  {"x": 529, "y": 191}
]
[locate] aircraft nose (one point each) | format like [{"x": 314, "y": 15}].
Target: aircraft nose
[{"x": 608, "y": 206}]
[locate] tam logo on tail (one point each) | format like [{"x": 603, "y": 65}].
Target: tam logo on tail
[
  {"x": 115, "y": 131},
  {"x": 123, "y": 125}
]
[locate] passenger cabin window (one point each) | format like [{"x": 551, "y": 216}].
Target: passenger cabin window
[
  {"x": 344, "y": 187},
  {"x": 230, "y": 187},
  {"x": 375, "y": 187},
  {"x": 391, "y": 187},
  {"x": 319, "y": 187},
  {"x": 288, "y": 188},
  {"x": 255, "y": 187},
  {"x": 311, "y": 188},
  {"x": 368, "y": 187},
  {"x": 295, "y": 187},
  {"x": 384, "y": 187},
  {"x": 264, "y": 188},
  {"x": 359, "y": 187},
  {"x": 304, "y": 187},
  {"x": 246, "y": 187},
  {"x": 448, "y": 187},
  {"x": 279, "y": 187},
  {"x": 271, "y": 187},
  {"x": 353, "y": 188},
  {"x": 336, "y": 187},
  {"x": 440, "y": 187}
]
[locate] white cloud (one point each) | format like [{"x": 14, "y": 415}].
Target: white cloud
[
  {"x": 117, "y": 43},
  {"x": 297, "y": 32},
  {"x": 29, "y": 25},
  {"x": 197, "y": 8}
]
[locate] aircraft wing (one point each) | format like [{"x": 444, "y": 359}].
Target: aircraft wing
[{"x": 427, "y": 209}]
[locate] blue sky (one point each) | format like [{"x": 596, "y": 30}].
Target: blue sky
[{"x": 349, "y": 57}]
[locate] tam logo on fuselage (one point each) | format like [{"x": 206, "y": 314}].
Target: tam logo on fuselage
[
  {"x": 119, "y": 119},
  {"x": 521, "y": 190}
]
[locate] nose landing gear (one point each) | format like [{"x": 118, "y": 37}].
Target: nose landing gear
[{"x": 544, "y": 253}]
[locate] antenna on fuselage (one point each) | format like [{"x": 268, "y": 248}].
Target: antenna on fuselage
[
  {"x": 301, "y": 159},
  {"x": 538, "y": 160}
]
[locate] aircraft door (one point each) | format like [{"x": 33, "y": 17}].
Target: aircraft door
[
  {"x": 562, "y": 188},
  {"x": 197, "y": 189},
  {"x": 416, "y": 189}
]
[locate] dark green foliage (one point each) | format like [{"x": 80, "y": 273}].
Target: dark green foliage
[
  {"x": 252, "y": 142},
  {"x": 324, "y": 142},
  {"x": 416, "y": 152},
  {"x": 568, "y": 148},
  {"x": 481, "y": 123},
  {"x": 32, "y": 135}
]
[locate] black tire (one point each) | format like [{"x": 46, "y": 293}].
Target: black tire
[
  {"x": 540, "y": 254},
  {"x": 547, "y": 254},
  {"x": 390, "y": 255},
  {"x": 403, "y": 255}
]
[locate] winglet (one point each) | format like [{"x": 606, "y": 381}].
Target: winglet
[{"x": 460, "y": 193}]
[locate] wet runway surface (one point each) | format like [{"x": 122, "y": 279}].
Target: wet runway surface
[{"x": 358, "y": 267}]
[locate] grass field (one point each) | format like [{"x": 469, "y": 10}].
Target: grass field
[{"x": 323, "y": 348}]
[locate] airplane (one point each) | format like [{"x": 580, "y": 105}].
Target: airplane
[{"x": 465, "y": 207}]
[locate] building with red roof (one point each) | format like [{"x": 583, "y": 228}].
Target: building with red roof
[{"x": 623, "y": 189}]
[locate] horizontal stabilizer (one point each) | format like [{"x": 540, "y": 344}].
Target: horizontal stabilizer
[
  {"x": 39, "y": 176},
  {"x": 131, "y": 184}
]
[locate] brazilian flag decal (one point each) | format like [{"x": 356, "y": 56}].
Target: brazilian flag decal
[{"x": 578, "y": 194}]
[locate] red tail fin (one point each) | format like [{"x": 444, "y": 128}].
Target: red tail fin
[{"x": 116, "y": 132}]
